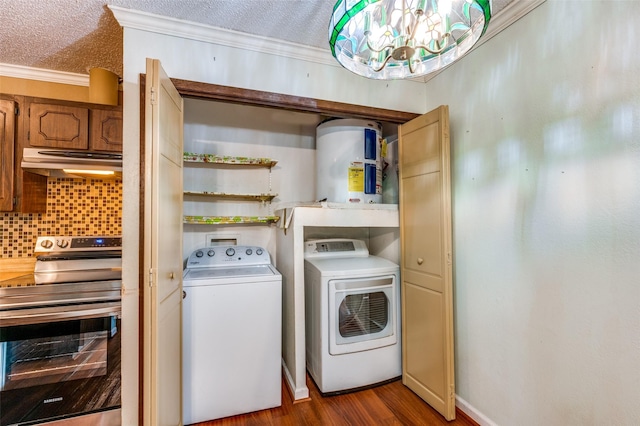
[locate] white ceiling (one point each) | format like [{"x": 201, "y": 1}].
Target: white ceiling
[{"x": 75, "y": 35}]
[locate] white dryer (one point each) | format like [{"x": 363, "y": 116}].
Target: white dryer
[
  {"x": 232, "y": 328},
  {"x": 352, "y": 302}
]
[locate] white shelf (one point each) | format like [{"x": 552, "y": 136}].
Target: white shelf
[
  {"x": 229, "y": 162},
  {"x": 233, "y": 197},
  {"x": 230, "y": 220},
  {"x": 214, "y": 160}
]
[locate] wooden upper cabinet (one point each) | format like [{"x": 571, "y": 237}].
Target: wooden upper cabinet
[
  {"x": 106, "y": 130},
  {"x": 77, "y": 127},
  {"x": 58, "y": 126},
  {"x": 48, "y": 123}
]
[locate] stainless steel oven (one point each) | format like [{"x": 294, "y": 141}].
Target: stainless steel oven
[{"x": 60, "y": 337}]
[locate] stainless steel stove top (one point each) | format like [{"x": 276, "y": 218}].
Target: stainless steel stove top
[{"x": 77, "y": 259}]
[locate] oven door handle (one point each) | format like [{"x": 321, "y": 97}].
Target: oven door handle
[{"x": 59, "y": 313}]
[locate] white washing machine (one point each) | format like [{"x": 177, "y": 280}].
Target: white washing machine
[
  {"x": 352, "y": 302},
  {"x": 232, "y": 333}
]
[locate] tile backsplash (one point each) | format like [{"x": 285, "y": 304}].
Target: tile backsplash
[{"x": 75, "y": 207}]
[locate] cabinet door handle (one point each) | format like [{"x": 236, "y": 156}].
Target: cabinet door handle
[
  {"x": 171, "y": 275},
  {"x": 420, "y": 261},
  {"x": 184, "y": 294}
]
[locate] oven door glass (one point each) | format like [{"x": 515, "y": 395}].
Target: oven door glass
[{"x": 59, "y": 369}]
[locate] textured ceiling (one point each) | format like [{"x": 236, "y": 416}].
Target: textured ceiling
[{"x": 75, "y": 35}]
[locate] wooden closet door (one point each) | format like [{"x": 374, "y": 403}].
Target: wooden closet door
[
  {"x": 163, "y": 189},
  {"x": 425, "y": 233}
]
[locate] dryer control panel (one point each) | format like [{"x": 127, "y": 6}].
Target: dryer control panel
[
  {"x": 335, "y": 247},
  {"x": 214, "y": 256}
]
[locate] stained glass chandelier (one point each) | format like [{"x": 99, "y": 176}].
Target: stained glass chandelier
[{"x": 396, "y": 39}]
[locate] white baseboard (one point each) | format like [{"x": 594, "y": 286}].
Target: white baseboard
[
  {"x": 297, "y": 392},
  {"x": 474, "y": 413}
]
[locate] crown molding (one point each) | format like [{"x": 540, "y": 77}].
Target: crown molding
[
  {"x": 29, "y": 73},
  {"x": 507, "y": 16},
  {"x": 130, "y": 18},
  {"x": 176, "y": 27}
]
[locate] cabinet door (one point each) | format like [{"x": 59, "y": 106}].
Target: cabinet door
[
  {"x": 7, "y": 146},
  {"x": 425, "y": 233},
  {"x": 106, "y": 130},
  {"x": 58, "y": 126}
]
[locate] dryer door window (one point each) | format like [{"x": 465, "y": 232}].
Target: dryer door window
[{"x": 362, "y": 314}]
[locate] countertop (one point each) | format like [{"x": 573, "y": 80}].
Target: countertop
[{"x": 17, "y": 272}]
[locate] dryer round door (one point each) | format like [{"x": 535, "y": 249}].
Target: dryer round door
[{"x": 362, "y": 314}]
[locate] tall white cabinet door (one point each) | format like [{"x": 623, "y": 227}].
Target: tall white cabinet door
[
  {"x": 425, "y": 234},
  {"x": 163, "y": 151}
]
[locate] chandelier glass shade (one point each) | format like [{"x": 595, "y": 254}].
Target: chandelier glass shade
[{"x": 397, "y": 39}]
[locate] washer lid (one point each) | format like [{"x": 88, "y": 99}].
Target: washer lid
[{"x": 217, "y": 273}]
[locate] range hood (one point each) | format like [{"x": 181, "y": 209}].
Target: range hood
[{"x": 69, "y": 163}]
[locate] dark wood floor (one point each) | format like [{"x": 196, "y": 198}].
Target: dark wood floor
[{"x": 390, "y": 404}]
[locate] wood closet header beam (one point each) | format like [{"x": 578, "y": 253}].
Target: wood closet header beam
[{"x": 214, "y": 92}]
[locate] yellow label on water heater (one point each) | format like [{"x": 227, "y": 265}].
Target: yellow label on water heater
[{"x": 356, "y": 177}]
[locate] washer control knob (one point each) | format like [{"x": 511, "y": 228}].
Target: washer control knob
[
  {"x": 249, "y": 252},
  {"x": 62, "y": 243},
  {"x": 199, "y": 253},
  {"x": 47, "y": 244},
  {"x": 259, "y": 252},
  {"x": 230, "y": 252},
  {"x": 211, "y": 253}
]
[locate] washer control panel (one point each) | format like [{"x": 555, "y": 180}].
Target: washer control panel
[{"x": 228, "y": 256}]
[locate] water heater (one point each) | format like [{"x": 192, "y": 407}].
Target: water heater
[{"x": 348, "y": 163}]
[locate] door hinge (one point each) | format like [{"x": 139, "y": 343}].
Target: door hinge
[
  {"x": 153, "y": 96},
  {"x": 152, "y": 276},
  {"x": 17, "y": 110},
  {"x": 452, "y": 392}
]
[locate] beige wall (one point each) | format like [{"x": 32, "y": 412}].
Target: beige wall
[{"x": 545, "y": 131}]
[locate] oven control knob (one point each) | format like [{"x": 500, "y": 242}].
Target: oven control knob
[
  {"x": 230, "y": 252},
  {"x": 63, "y": 243},
  {"x": 259, "y": 252},
  {"x": 249, "y": 252},
  {"x": 199, "y": 253},
  {"x": 211, "y": 253},
  {"x": 47, "y": 244}
]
